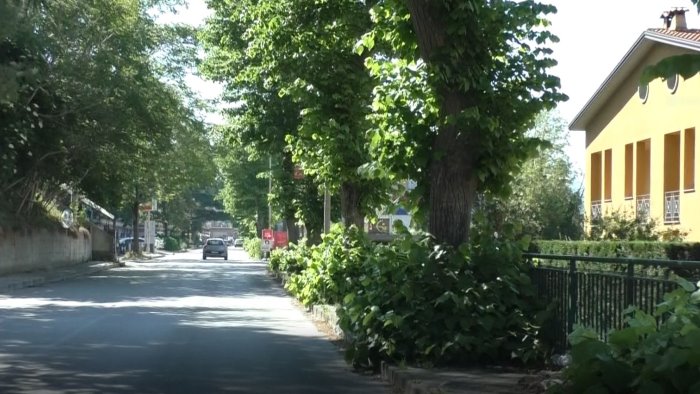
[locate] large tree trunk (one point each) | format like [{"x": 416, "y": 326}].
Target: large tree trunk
[
  {"x": 292, "y": 230},
  {"x": 452, "y": 171},
  {"x": 135, "y": 247},
  {"x": 452, "y": 192},
  {"x": 350, "y": 205}
]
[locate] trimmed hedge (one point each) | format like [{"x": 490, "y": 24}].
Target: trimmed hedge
[{"x": 638, "y": 249}]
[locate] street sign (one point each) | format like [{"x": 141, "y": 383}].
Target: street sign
[
  {"x": 281, "y": 239},
  {"x": 267, "y": 234},
  {"x": 266, "y": 245},
  {"x": 67, "y": 218}
]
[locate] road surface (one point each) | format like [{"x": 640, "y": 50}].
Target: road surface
[{"x": 172, "y": 325}]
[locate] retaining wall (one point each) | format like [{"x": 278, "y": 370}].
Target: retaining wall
[
  {"x": 31, "y": 250},
  {"x": 102, "y": 244}
]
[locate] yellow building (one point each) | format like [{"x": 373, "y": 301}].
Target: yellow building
[{"x": 641, "y": 139}]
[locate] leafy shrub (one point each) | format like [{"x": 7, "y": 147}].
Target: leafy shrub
[
  {"x": 171, "y": 244},
  {"x": 289, "y": 260},
  {"x": 657, "y": 353},
  {"x": 252, "y": 247},
  {"x": 276, "y": 257},
  {"x": 320, "y": 274},
  {"x": 418, "y": 301}
]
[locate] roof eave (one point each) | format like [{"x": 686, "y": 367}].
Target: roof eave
[
  {"x": 581, "y": 119},
  {"x": 633, "y": 55}
]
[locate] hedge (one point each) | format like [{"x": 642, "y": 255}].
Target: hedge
[{"x": 637, "y": 249}]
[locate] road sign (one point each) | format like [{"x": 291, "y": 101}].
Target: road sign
[
  {"x": 267, "y": 234},
  {"x": 67, "y": 218},
  {"x": 266, "y": 245},
  {"x": 281, "y": 240}
]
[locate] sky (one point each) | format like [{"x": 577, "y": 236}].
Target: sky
[{"x": 594, "y": 36}]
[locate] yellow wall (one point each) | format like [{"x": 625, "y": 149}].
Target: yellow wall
[{"x": 625, "y": 119}]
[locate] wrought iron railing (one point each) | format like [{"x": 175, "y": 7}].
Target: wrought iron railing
[
  {"x": 643, "y": 206},
  {"x": 596, "y": 209},
  {"x": 672, "y": 207},
  {"x": 594, "y": 291}
]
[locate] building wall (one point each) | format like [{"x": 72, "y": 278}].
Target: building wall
[
  {"x": 30, "y": 250},
  {"x": 102, "y": 244},
  {"x": 626, "y": 119}
]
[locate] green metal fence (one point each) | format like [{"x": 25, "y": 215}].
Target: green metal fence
[{"x": 595, "y": 291}]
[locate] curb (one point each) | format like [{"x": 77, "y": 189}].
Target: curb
[
  {"x": 402, "y": 381},
  {"x": 327, "y": 314}
]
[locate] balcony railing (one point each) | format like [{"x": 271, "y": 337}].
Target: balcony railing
[
  {"x": 596, "y": 210},
  {"x": 672, "y": 207},
  {"x": 643, "y": 206}
]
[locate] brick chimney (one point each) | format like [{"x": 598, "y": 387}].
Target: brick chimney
[{"x": 675, "y": 19}]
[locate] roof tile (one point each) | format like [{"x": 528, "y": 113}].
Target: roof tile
[{"x": 688, "y": 34}]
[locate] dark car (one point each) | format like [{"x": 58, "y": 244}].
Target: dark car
[{"x": 215, "y": 247}]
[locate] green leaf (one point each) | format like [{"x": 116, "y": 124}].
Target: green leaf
[{"x": 686, "y": 285}]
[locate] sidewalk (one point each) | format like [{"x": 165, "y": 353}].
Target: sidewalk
[
  {"x": 13, "y": 282},
  {"x": 411, "y": 380}
]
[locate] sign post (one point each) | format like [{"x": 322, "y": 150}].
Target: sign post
[{"x": 267, "y": 241}]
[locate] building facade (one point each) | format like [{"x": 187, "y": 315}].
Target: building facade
[{"x": 641, "y": 139}]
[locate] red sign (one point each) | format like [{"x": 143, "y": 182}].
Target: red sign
[
  {"x": 281, "y": 239},
  {"x": 267, "y": 233}
]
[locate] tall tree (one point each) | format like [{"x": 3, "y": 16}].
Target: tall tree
[
  {"x": 96, "y": 103},
  {"x": 542, "y": 203},
  {"x": 461, "y": 83},
  {"x": 298, "y": 55}
]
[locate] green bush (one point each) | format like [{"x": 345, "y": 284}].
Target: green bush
[
  {"x": 420, "y": 302},
  {"x": 252, "y": 247},
  {"x": 289, "y": 260},
  {"x": 320, "y": 274},
  {"x": 171, "y": 244},
  {"x": 276, "y": 257},
  {"x": 638, "y": 249},
  {"x": 657, "y": 353}
]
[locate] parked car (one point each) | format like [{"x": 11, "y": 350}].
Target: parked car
[
  {"x": 238, "y": 243},
  {"x": 125, "y": 244},
  {"x": 215, "y": 247}
]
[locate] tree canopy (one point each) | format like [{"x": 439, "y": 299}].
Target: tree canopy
[
  {"x": 94, "y": 101},
  {"x": 379, "y": 92}
]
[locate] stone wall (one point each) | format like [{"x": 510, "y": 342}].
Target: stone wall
[
  {"x": 102, "y": 244},
  {"x": 31, "y": 250}
]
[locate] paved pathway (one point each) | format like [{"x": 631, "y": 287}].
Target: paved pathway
[{"x": 172, "y": 325}]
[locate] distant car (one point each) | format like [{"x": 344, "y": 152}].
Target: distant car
[
  {"x": 125, "y": 244},
  {"x": 215, "y": 247},
  {"x": 238, "y": 243}
]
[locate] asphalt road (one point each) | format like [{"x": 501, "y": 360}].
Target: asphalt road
[{"x": 173, "y": 325}]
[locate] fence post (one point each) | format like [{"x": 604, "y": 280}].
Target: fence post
[
  {"x": 629, "y": 285},
  {"x": 573, "y": 296}
]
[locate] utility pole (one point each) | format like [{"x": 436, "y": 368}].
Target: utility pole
[
  {"x": 326, "y": 210},
  {"x": 269, "y": 192}
]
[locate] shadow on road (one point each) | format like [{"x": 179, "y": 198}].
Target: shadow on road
[{"x": 171, "y": 327}]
